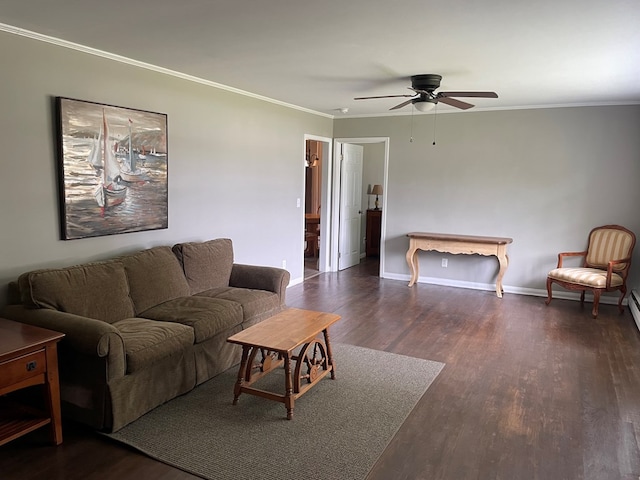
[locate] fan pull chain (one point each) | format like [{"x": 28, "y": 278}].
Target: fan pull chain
[
  {"x": 435, "y": 114},
  {"x": 411, "y": 134}
]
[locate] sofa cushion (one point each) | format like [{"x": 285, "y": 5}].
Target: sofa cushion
[
  {"x": 255, "y": 303},
  {"x": 206, "y": 265},
  {"x": 147, "y": 341},
  {"x": 155, "y": 276},
  {"x": 207, "y": 316},
  {"x": 97, "y": 290}
]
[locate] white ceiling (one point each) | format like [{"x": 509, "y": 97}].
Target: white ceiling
[{"x": 319, "y": 55}]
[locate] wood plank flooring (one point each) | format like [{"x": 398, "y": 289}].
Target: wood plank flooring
[{"x": 528, "y": 391}]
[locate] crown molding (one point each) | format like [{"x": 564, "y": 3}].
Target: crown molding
[{"x": 136, "y": 63}]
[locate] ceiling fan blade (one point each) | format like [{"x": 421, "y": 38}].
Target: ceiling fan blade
[
  {"x": 403, "y": 104},
  {"x": 383, "y": 96},
  {"x": 455, "y": 103},
  {"x": 469, "y": 94}
]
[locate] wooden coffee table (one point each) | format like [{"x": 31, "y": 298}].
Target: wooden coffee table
[{"x": 272, "y": 343}]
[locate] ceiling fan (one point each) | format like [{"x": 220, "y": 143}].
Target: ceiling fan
[{"x": 425, "y": 98}]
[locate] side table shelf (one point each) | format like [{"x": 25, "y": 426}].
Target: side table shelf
[
  {"x": 28, "y": 356},
  {"x": 17, "y": 420}
]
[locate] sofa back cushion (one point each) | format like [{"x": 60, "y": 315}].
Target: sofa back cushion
[
  {"x": 155, "y": 276},
  {"x": 206, "y": 265},
  {"x": 96, "y": 290}
]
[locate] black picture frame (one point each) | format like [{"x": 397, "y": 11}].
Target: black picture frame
[{"x": 113, "y": 169}]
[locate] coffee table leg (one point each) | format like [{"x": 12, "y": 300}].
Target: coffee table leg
[
  {"x": 241, "y": 373},
  {"x": 288, "y": 398},
  {"x": 329, "y": 354}
]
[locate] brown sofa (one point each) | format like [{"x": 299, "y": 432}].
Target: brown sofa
[{"x": 144, "y": 328}]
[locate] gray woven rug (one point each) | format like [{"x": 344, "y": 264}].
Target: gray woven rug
[{"x": 339, "y": 428}]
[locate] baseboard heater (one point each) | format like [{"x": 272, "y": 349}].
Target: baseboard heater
[{"x": 634, "y": 306}]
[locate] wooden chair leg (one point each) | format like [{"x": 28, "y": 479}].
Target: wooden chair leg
[
  {"x": 623, "y": 292},
  {"x": 582, "y": 297},
  {"x": 596, "y": 302},
  {"x": 549, "y": 282}
]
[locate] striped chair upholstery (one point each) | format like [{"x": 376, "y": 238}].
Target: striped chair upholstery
[
  {"x": 605, "y": 266},
  {"x": 588, "y": 277},
  {"x": 606, "y": 244}
]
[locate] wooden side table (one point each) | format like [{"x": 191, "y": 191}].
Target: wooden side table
[{"x": 29, "y": 356}]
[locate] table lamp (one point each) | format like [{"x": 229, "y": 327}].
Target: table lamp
[{"x": 376, "y": 190}]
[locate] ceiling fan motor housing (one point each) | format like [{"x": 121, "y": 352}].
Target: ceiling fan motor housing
[
  {"x": 428, "y": 82},
  {"x": 423, "y": 99}
]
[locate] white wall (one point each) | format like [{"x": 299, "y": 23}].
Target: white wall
[
  {"x": 543, "y": 177},
  {"x": 236, "y": 164}
]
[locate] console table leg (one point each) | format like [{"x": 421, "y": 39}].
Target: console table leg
[
  {"x": 504, "y": 263},
  {"x": 412, "y": 261}
]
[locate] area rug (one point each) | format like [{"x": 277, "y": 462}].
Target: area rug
[{"x": 339, "y": 428}]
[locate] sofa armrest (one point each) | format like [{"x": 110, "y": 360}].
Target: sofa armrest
[
  {"x": 257, "y": 277},
  {"x": 82, "y": 334}
]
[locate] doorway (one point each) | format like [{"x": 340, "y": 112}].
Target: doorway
[
  {"x": 317, "y": 209},
  {"x": 369, "y": 181},
  {"x": 312, "y": 206},
  {"x": 330, "y": 192}
]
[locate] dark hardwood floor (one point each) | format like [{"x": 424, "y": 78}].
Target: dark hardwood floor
[{"x": 528, "y": 391}]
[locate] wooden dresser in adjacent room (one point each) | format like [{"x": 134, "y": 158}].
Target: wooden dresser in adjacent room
[{"x": 374, "y": 221}]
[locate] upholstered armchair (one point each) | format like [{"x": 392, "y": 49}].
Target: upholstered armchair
[{"x": 604, "y": 268}]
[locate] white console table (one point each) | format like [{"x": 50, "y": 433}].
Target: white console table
[{"x": 458, "y": 244}]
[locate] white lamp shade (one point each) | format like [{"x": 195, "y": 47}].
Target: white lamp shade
[
  {"x": 376, "y": 190},
  {"x": 424, "y": 106}
]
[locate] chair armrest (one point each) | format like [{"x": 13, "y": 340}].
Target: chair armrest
[
  {"x": 82, "y": 334},
  {"x": 623, "y": 273},
  {"x": 569, "y": 254},
  {"x": 257, "y": 277},
  {"x": 627, "y": 260}
]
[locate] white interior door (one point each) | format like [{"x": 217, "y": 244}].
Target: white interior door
[{"x": 350, "y": 205}]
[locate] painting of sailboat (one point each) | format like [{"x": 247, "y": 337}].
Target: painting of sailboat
[
  {"x": 130, "y": 171},
  {"x": 110, "y": 191},
  {"x": 104, "y": 188}
]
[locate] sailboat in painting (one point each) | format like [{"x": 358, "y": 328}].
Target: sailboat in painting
[
  {"x": 95, "y": 155},
  {"x": 130, "y": 171},
  {"x": 109, "y": 192}
]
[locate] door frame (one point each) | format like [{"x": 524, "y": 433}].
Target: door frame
[
  {"x": 334, "y": 193},
  {"x": 325, "y": 201}
]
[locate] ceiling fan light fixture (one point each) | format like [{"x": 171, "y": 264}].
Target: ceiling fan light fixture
[
  {"x": 425, "y": 98},
  {"x": 425, "y": 105}
]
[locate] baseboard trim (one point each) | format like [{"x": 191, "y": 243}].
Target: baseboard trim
[
  {"x": 534, "y": 292},
  {"x": 295, "y": 281}
]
